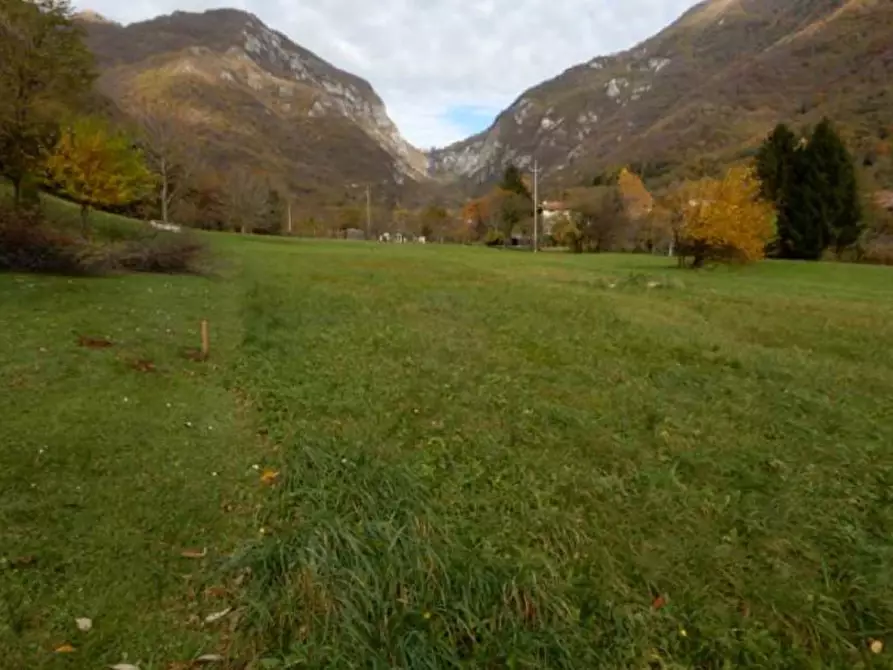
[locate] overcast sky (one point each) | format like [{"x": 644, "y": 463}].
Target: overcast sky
[{"x": 444, "y": 68}]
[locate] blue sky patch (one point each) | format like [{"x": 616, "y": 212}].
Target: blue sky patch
[{"x": 471, "y": 119}]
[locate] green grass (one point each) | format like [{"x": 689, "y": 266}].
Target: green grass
[
  {"x": 106, "y": 472},
  {"x": 489, "y": 460}
]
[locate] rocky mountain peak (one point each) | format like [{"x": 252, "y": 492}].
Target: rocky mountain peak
[
  {"x": 704, "y": 90},
  {"x": 90, "y": 16},
  {"x": 233, "y": 48}
]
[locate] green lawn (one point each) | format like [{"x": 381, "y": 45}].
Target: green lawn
[{"x": 489, "y": 459}]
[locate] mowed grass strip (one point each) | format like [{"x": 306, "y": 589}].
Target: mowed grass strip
[
  {"x": 114, "y": 462},
  {"x": 499, "y": 460}
]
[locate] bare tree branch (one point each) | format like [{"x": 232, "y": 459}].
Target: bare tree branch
[
  {"x": 168, "y": 151},
  {"x": 245, "y": 199}
]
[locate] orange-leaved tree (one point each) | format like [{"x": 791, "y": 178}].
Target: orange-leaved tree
[
  {"x": 723, "y": 219},
  {"x": 636, "y": 198},
  {"x": 476, "y": 216},
  {"x": 98, "y": 166},
  {"x": 646, "y": 222}
]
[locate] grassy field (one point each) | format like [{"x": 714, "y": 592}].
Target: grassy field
[{"x": 487, "y": 459}]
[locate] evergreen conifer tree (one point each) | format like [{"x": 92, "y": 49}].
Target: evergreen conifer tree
[
  {"x": 834, "y": 178},
  {"x": 814, "y": 189},
  {"x": 774, "y": 166},
  {"x": 513, "y": 183}
]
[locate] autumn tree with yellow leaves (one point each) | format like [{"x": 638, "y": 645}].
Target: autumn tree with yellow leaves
[
  {"x": 97, "y": 166},
  {"x": 722, "y": 220},
  {"x": 647, "y": 229},
  {"x": 636, "y": 198}
]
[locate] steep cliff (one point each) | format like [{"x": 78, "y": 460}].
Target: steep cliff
[{"x": 248, "y": 93}]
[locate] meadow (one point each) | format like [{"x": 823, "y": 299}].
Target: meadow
[{"x": 476, "y": 458}]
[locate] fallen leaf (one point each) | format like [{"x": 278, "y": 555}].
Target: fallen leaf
[
  {"x": 211, "y": 618},
  {"x": 269, "y": 476},
  {"x": 93, "y": 342},
  {"x": 64, "y": 649},
  {"x": 210, "y": 658},
  {"x": 876, "y": 646},
  {"x": 658, "y": 603},
  {"x": 216, "y": 591},
  {"x": 194, "y": 553},
  {"x": 23, "y": 562},
  {"x": 84, "y": 624},
  {"x": 142, "y": 365}
]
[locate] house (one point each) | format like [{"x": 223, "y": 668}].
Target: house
[{"x": 552, "y": 212}]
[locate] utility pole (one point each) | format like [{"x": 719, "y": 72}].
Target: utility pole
[
  {"x": 536, "y": 205},
  {"x": 368, "y": 213},
  {"x": 289, "y": 217}
]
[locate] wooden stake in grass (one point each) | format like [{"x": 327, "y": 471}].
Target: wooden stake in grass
[{"x": 206, "y": 340}]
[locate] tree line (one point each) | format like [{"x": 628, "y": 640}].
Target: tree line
[{"x": 800, "y": 198}]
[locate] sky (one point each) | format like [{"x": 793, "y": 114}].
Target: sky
[{"x": 444, "y": 68}]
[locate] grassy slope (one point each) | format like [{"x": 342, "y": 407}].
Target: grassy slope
[
  {"x": 489, "y": 457},
  {"x": 495, "y": 458}
]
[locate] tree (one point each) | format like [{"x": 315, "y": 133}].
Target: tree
[
  {"x": 601, "y": 217},
  {"x": 775, "y": 166},
  {"x": 202, "y": 202},
  {"x": 812, "y": 184},
  {"x": 723, "y": 219},
  {"x": 97, "y": 166},
  {"x": 638, "y": 205},
  {"x": 244, "y": 199},
  {"x": 402, "y": 219},
  {"x": 774, "y": 162},
  {"x": 513, "y": 182},
  {"x": 512, "y": 208},
  {"x": 636, "y": 198},
  {"x": 168, "y": 151},
  {"x": 45, "y": 71},
  {"x": 349, "y": 216},
  {"x": 433, "y": 221},
  {"x": 830, "y": 175},
  {"x": 567, "y": 232},
  {"x": 476, "y": 217},
  {"x": 272, "y": 220}
]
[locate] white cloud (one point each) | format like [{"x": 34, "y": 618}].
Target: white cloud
[{"x": 424, "y": 57}]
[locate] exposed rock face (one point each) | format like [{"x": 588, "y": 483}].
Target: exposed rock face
[
  {"x": 252, "y": 92},
  {"x": 340, "y": 93},
  {"x": 707, "y": 88}
]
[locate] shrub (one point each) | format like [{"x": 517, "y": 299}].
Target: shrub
[
  {"x": 29, "y": 244},
  {"x": 166, "y": 253}
]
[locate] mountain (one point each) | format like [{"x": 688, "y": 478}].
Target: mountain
[
  {"x": 247, "y": 94},
  {"x": 701, "y": 94}
]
